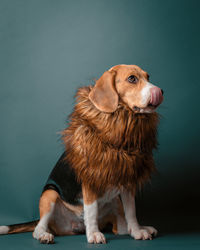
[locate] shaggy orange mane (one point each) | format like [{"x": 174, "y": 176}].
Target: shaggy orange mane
[{"x": 110, "y": 149}]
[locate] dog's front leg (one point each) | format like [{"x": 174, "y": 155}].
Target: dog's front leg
[
  {"x": 134, "y": 229},
  {"x": 91, "y": 216}
]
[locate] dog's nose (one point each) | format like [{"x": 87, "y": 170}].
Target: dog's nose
[
  {"x": 162, "y": 91},
  {"x": 156, "y": 96}
]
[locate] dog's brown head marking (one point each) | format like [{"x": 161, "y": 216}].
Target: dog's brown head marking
[{"x": 129, "y": 84}]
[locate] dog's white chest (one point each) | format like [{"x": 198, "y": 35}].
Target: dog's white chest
[{"x": 109, "y": 196}]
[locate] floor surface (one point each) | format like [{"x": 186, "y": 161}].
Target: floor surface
[
  {"x": 175, "y": 232},
  {"x": 168, "y": 242}
]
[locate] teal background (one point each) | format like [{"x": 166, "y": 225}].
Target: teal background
[{"x": 48, "y": 49}]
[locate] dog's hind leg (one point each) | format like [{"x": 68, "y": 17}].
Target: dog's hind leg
[{"x": 46, "y": 206}]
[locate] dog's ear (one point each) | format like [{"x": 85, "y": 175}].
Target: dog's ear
[{"x": 104, "y": 95}]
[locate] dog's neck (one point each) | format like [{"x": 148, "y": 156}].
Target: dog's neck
[{"x": 122, "y": 129}]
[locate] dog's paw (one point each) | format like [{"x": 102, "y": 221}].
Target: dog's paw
[
  {"x": 46, "y": 238},
  {"x": 143, "y": 233},
  {"x": 42, "y": 236},
  {"x": 151, "y": 230},
  {"x": 96, "y": 238}
]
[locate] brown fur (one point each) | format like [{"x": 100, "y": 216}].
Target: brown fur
[
  {"x": 22, "y": 227},
  {"x": 48, "y": 197},
  {"x": 110, "y": 149}
]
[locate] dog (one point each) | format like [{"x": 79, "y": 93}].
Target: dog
[{"x": 108, "y": 156}]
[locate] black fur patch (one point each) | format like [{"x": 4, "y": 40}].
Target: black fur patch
[{"x": 63, "y": 180}]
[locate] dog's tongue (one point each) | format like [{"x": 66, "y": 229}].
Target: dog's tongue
[{"x": 156, "y": 96}]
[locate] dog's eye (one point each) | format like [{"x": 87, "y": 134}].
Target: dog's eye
[{"x": 132, "y": 79}]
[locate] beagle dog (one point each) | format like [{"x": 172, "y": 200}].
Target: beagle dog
[{"x": 108, "y": 155}]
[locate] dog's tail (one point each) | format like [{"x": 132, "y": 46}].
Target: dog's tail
[{"x": 19, "y": 228}]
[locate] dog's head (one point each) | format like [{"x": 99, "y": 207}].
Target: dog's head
[{"x": 130, "y": 84}]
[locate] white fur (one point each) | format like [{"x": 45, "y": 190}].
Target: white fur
[
  {"x": 109, "y": 196},
  {"x": 4, "y": 229},
  {"x": 146, "y": 94},
  {"x": 121, "y": 225},
  {"x": 91, "y": 223},
  {"x": 128, "y": 201},
  {"x": 134, "y": 229}
]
